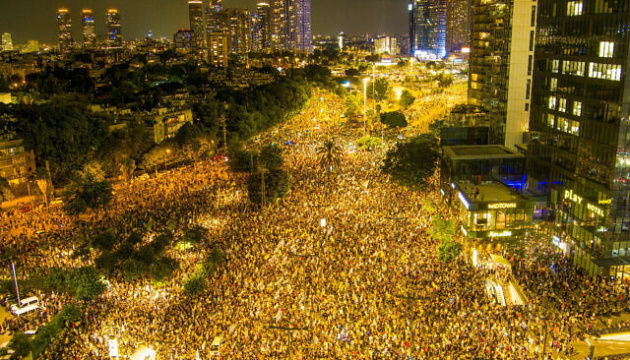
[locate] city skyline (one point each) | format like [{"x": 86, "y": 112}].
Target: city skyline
[{"x": 164, "y": 17}]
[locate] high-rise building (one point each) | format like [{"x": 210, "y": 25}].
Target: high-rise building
[
  {"x": 429, "y": 28},
  {"x": 580, "y": 128},
  {"x": 88, "y": 31},
  {"x": 183, "y": 40},
  {"x": 412, "y": 26},
  {"x": 386, "y": 45},
  {"x": 195, "y": 11},
  {"x": 278, "y": 24},
  {"x": 341, "y": 40},
  {"x": 500, "y": 66},
  {"x": 64, "y": 28},
  {"x": 263, "y": 22},
  {"x": 238, "y": 26},
  {"x": 7, "y": 42},
  {"x": 304, "y": 39},
  {"x": 218, "y": 48},
  {"x": 31, "y": 46},
  {"x": 457, "y": 25},
  {"x": 114, "y": 34}
]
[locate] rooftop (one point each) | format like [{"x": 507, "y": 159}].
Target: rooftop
[
  {"x": 490, "y": 191},
  {"x": 470, "y": 152}
]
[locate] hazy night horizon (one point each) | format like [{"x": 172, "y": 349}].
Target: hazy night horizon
[{"x": 165, "y": 17}]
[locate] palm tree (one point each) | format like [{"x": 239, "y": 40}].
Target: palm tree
[{"x": 330, "y": 155}]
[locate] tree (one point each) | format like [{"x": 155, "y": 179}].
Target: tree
[
  {"x": 352, "y": 106},
  {"x": 394, "y": 119},
  {"x": 448, "y": 250},
  {"x": 368, "y": 143},
  {"x": 444, "y": 80},
  {"x": 414, "y": 162},
  {"x": 352, "y": 72},
  {"x": 87, "y": 284},
  {"x": 379, "y": 89},
  {"x": 271, "y": 157},
  {"x": 5, "y": 190},
  {"x": 277, "y": 185},
  {"x": 21, "y": 345},
  {"x": 329, "y": 155},
  {"x": 406, "y": 99},
  {"x": 86, "y": 193}
]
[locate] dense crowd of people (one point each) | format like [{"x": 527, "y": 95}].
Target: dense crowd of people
[{"x": 344, "y": 267}]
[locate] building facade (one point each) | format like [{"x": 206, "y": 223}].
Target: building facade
[
  {"x": 218, "y": 48},
  {"x": 183, "y": 41},
  {"x": 428, "y": 28},
  {"x": 114, "y": 33},
  {"x": 501, "y": 63},
  {"x": 87, "y": 28},
  {"x": 197, "y": 26},
  {"x": 64, "y": 29},
  {"x": 263, "y": 26},
  {"x": 7, "y": 42},
  {"x": 457, "y": 26},
  {"x": 580, "y": 128}
]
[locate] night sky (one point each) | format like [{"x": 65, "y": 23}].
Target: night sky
[{"x": 35, "y": 19}]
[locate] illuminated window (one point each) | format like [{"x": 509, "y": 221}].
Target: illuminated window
[
  {"x": 562, "y": 105},
  {"x": 577, "y": 108},
  {"x": 551, "y": 121},
  {"x": 552, "y": 102},
  {"x": 605, "y": 71},
  {"x": 574, "y": 8},
  {"x": 606, "y": 49},
  {"x": 555, "y": 65},
  {"x": 553, "y": 84}
]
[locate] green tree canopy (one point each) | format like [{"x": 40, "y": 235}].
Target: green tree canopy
[
  {"x": 406, "y": 99},
  {"x": 414, "y": 162},
  {"x": 379, "y": 89},
  {"x": 86, "y": 193},
  {"x": 277, "y": 185},
  {"x": 394, "y": 119}
]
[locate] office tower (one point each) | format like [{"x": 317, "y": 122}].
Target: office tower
[
  {"x": 7, "y": 42},
  {"x": 341, "y": 39},
  {"x": 500, "y": 66},
  {"x": 195, "y": 12},
  {"x": 64, "y": 28},
  {"x": 215, "y": 5},
  {"x": 31, "y": 46},
  {"x": 218, "y": 48},
  {"x": 412, "y": 27},
  {"x": 580, "y": 128},
  {"x": 114, "y": 35},
  {"x": 304, "y": 40},
  {"x": 183, "y": 40},
  {"x": 429, "y": 28},
  {"x": 386, "y": 45},
  {"x": 263, "y": 17},
  {"x": 457, "y": 25},
  {"x": 87, "y": 23},
  {"x": 278, "y": 21},
  {"x": 238, "y": 26}
]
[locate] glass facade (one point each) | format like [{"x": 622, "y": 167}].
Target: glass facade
[{"x": 580, "y": 138}]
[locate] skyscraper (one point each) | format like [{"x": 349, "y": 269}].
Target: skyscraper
[
  {"x": 114, "y": 34},
  {"x": 580, "y": 128},
  {"x": 429, "y": 28},
  {"x": 457, "y": 25},
  {"x": 64, "y": 29},
  {"x": 412, "y": 27},
  {"x": 303, "y": 35},
  {"x": 238, "y": 26},
  {"x": 183, "y": 40},
  {"x": 7, "y": 42},
  {"x": 195, "y": 11},
  {"x": 218, "y": 48},
  {"x": 87, "y": 23},
  {"x": 278, "y": 24},
  {"x": 500, "y": 66},
  {"x": 263, "y": 12}
]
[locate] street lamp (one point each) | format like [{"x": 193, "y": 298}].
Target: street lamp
[{"x": 167, "y": 152}]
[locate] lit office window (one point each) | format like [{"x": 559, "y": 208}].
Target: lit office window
[
  {"x": 553, "y": 84},
  {"x": 605, "y": 71},
  {"x": 606, "y": 49},
  {"x": 574, "y": 8},
  {"x": 562, "y": 105},
  {"x": 552, "y": 102},
  {"x": 577, "y": 108}
]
